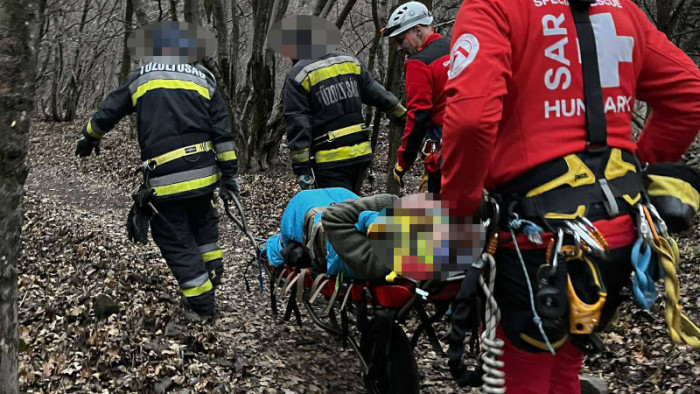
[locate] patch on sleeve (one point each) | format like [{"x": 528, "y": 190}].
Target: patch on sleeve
[{"x": 463, "y": 53}]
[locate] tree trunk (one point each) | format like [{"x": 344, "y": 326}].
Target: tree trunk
[
  {"x": 393, "y": 83},
  {"x": 258, "y": 93},
  {"x": 222, "y": 43},
  {"x": 344, "y": 13},
  {"x": 140, "y": 12},
  {"x": 75, "y": 83},
  {"x": 126, "y": 54},
  {"x": 16, "y": 102},
  {"x": 192, "y": 11},
  {"x": 173, "y": 10},
  {"x": 375, "y": 49}
]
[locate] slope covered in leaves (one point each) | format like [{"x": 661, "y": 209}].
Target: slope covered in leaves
[{"x": 99, "y": 314}]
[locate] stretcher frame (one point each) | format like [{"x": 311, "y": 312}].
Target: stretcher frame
[{"x": 394, "y": 301}]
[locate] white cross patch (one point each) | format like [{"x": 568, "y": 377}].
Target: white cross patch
[{"x": 612, "y": 49}]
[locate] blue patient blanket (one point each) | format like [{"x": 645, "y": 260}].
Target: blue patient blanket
[{"x": 292, "y": 226}]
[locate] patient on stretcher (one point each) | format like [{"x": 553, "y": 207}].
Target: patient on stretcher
[
  {"x": 302, "y": 226},
  {"x": 331, "y": 230}
]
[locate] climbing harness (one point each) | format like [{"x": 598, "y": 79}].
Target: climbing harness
[{"x": 537, "y": 320}]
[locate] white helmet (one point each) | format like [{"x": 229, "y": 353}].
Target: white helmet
[{"x": 406, "y": 16}]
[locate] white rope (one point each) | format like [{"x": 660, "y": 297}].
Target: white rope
[{"x": 492, "y": 347}]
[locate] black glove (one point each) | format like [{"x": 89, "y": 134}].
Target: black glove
[
  {"x": 86, "y": 144},
  {"x": 228, "y": 188},
  {"x": 400, "y": 121},
  {"x": 140, "y": 215}
]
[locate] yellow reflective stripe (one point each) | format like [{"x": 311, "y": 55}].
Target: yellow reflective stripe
[
  {"x": 301, "y": 155},
  {"x": 331, "y": 135},
  {"x": 186, "y": 186},
  {"x": 324, "y": 73},
  {"x": 199, "y": 290},
  {"x": 665, "y": 186},
  {"x": 213, "y": 255},
  {"x": 182, "y": 152},
  {"x": 227, "y": 155},
  {"x": 168, "y": 84},
  {"x": 398, "y": 110},
  {"x": 92, "y": 132},
  {"x": 344, "y": 153}
]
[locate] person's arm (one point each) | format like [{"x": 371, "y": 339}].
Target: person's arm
[
  {"x": 352, "y": 246},
  {"x": 419, "y": 101},
  {"x": 670, "y": 83},
  {"x": 222, "y": 137},
  {"x": 374, "y": 94},
  {"x": 479, "y": 70},
  {"x": 297, "y": 118},
  {"x": 111, "y": 110}
]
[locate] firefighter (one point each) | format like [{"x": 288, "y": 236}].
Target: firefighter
[
  {"x": 187, "y": 151},
  {"x": 546, "y": 129},
  {"x": 410, "y": 26},
  {"x": 323, "y": 96}
]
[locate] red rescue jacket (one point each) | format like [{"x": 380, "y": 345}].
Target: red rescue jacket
[
  {"x": 515, "y": 93},
  {"x": 426, "y": 75}
]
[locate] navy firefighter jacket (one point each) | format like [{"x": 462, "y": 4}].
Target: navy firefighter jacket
[{"x": 183, "y": 127}]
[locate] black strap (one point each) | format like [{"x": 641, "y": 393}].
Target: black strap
[
  {"x": 465, "y": 318},
  {"x": 596, "y": 125}
]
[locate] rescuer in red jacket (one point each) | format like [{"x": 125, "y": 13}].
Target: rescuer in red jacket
[
  {"x": 516, "y": 125},
  {"x": 411, "y": 28}
]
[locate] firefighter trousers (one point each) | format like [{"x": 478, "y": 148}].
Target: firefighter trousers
[
  {"x": 187, "y": 233},
  {"x": 350, "y": 177}
]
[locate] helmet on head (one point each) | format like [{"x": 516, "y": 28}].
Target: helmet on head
[{"x": 405, "y": 17}]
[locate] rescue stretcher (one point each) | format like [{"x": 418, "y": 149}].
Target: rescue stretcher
[{"x": 369, "y": 316}]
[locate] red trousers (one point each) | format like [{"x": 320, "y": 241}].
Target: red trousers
[{"x": 540, "y": 373}]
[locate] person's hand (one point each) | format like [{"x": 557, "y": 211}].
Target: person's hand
[
  {"x": 400, "y": 121},
  {"x": 86, "y": 144},
  {"x": 228, "y": 188},
  {"x": 306, "y": 182},
  {"x": 399, "y": 172}
]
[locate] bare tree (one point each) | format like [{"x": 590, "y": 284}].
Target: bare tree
[
  {"x": 192, "y": 11},
  {"x": 258, "y": 93},
  {"x": 344, "y": 13},
  {"x": 16, "y": 102}
]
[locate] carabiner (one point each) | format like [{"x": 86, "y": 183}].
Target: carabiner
[
  {"x": 643, "y": 229},
  {"x": 557, "y": 250}
]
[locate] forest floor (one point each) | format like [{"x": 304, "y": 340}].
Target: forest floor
[{"x": 76, "y": 260}]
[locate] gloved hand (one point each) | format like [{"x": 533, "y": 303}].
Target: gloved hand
[
  {"x": 306, "y": 182},
  {"x": 140, "y": 215},
  {"x": 228, "y": 188},
  {"x": 400, "y": 121},
  {"x": 86, "y": 144},
  {"x": 399, "y": 172}
]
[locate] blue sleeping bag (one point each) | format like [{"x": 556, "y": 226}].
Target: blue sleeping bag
[{"x": 292, "y": 226}]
